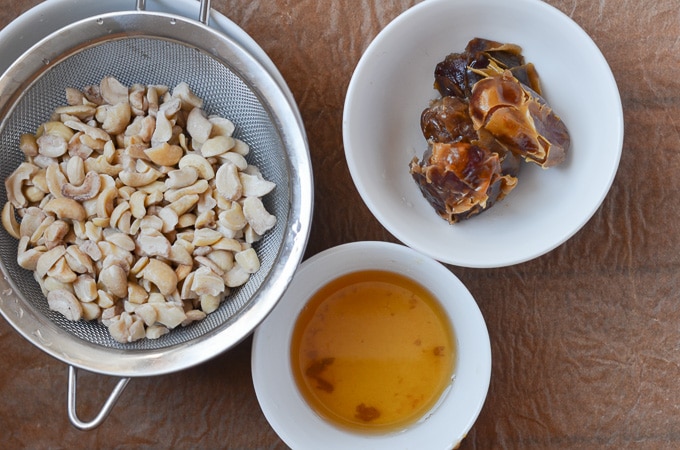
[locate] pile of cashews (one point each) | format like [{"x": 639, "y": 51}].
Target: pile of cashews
[{"x": 135, "y": 208}]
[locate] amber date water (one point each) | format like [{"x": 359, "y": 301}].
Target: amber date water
[{"x": 372, "y": 351}]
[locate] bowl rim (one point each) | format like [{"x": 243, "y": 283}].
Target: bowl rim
[
  {"x": 355, "y": 154},
  {"x": 285, "y": 408}
]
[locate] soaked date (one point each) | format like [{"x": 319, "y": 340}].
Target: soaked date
[{"x": 490, "y": 117}]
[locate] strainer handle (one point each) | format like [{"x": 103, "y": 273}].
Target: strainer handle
[
  {"x": 203, "y": 15},
  {"x": 103, "y": 413}
]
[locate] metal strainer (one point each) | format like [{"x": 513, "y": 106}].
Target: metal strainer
[{"x": 155, "y": 48}]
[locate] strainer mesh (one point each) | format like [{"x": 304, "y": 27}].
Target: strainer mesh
[{"x": 152, "y": 61}]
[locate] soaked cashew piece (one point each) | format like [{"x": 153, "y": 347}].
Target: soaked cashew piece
[
  {"x": 91, "y": 311},
  {"x": 169, "y": 217},
  {"x": 54, "y": 233},
  {"x": 205, "y": 237},
  {"x": 97, "y": 134},
  {"x": 170, "y": 107},
  {"x": 75, "y": 170},
  {"x": 240, "y": 147},
  {"x": 221, "y": 126},
  {"x": 113, "y": 278},
  {"x": 51, "y": 284},
  {"x": 137, "y": 179},
  {"x": 168, "y": 314},
  {"x": 198, "y": 125},
  {"x": 193, "y": 315},
  {"x": 228, "y": 182},
  {"x": 122, "y": 241},
  {"x": 105, "y": 202},
  {"x": 163, "y": 131},
  {"x": 180, "y": 255},
  {"x": 56, "y": 128},
  {"x": 33, "y": 217},
  {"x": 61, "y": 272},
  {"x": 248, "y": 260},
  {"x": 232, "y": 217},
  {"x": 257, "y": 216},
  {"x": 165, "y": 154},
  {"x": 117, "y": 118},
  {"x": 39, "y": 180},
  {"x": 28, "y": 257},
  {"x": 66, "y": 208},
  {"x": 199, "y": 163},
  {"x": 34, "y": 194},
  {"x": 217, "y": 145},
  {"x": 181, "y": 178},
  {"x": 37, "y": 236},
  {"x": 15, "y": 182},
  {"x": 9, "y": 221},
  {"x": 234, "y": 158},
  {"x": 161, "y": 275},
  {"x": 255, "y": 185},
  {"x": 28, "y": 145},
  {"x": 198, "y": 187},
  {"x": 55, "y": 179},
  {"x": 127, "y": 328},
  {"x": 138, "y": 101},
  {"x": 48, "y": 259},
  {"x": 230, "y": 244},
  {"x": 207, "y": 282},
  {"x": 66, "y": 303},
  {"x": 138, "y": 204},
  {"x": 87, "y": 189},
  {"x": 189, "y": 100},
  {"x": 85, "y": 288},
  {"x": 113, "y": 91},
  {"x": 78, "y": 260},
  {"x": 152, "y": 243},
  {"x": 136, "y": 294},
  {"x": 183, "y": 204},
  {"x": 136, "y": 208},
  {"x": 156, "y": 331},
  {"x": 210, "y": 303},
  {"x": 52, "y": 145},
  {"x": 147, "y": 313},
  {"x": 235, "y": 277}
]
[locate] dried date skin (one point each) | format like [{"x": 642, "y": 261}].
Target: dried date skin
[
  {"x": 510, "y": 162},
  {"x": 489, "y": 117},
  {"x": 490, "y": 58},
  {"x": 451, "y": 76},
  {"x": 460, "y": 180},
  {"x": 467, "y": 177},
  {"x": 519, "y": 119},
  {"x": 509, "y": 55},
  {"x": 448, "y": 120},
  {"x": 458, "y": 72}
]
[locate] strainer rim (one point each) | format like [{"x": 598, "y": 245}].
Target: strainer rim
[{"x": 97, "y": 358}]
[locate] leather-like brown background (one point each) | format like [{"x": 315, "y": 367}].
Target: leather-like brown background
[{"x": 585, "y": 339}]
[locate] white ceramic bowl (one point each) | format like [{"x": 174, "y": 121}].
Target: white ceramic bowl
[
  {"x": 393, "y": 83},
  {"x": 287, "y": 411}
]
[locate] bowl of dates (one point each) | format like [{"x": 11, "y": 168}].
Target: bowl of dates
[{"x": 483, "y": 134}]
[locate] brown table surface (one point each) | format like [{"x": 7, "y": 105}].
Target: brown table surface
[{"x": 585, "y": 340}]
